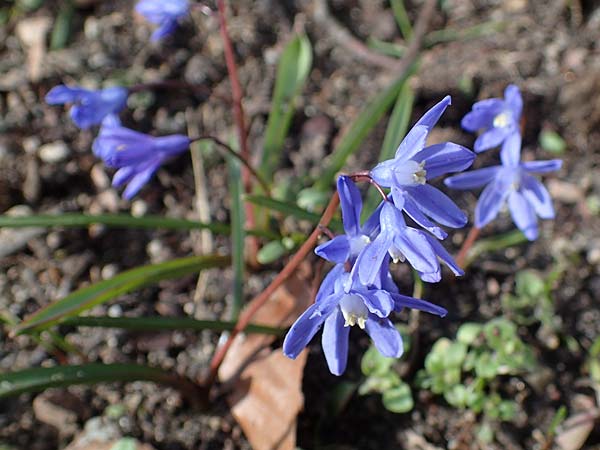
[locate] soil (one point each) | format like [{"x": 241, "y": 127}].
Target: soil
[{"x": 548, "y": 48}]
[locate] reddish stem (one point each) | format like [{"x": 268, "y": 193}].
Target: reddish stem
[
  {"x": 258, "y": 301},
  {"x": 467, "y": 244}
]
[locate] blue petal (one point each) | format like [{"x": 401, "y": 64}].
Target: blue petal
[
  {"x": 414, "y": 245},
  {"x": 431, "y": 277},
  {"x": 495, "y": 105},
  {"x": 141, "y": 178},
  {"x": 537, "y": 195},
  {"x": 371, "y": 225},
  {"x": 328, "y": 284},
  {"x": 472, "y": 179},
  {"x": 412, "y": 143},
  {"x": 437, "y": 205},
  {"x": 542, "y": 166},
  {"x": 386, "y": 338},
  {"x": 123, "y": 175},
  {"x": 415, "y": 214},
  {"x": 491, "y": 201},
  {"x": 491, "y": 138},
  {"x": 379, "y": 302},
  {"x": 383, "y": 173},
  {"x": 403, "y": 301},
  {"x": 445, "y": 157},
  {"x": 523, "y": 215},
  {"x": 301, "y": 332},
  {"x": 335, "y": 343},
  {"x": 513, "y": 99},
  {"x": 166, "y": 28},
  {"x": 368, "y": 263},
  {"x": 481, "y": 118},
  {"x": 61, "y": 94},
  {"x": 445, "y": 256},
  {"x": 336, "y": 250},
  {"x": 431, "y": 117},
  {"x": 351, "y": 203},
  {"x": 510, "y": 154}
]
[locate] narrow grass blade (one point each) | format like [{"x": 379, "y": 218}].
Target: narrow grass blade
[
  {"x": 451, "y": 35},
  {"x": 37, "y": 379},
  {"x": 237, "y": 235},
  {"x": 386, "y": 48},
  {"x": 166, "y": 323},
  {"x": 288, "y": 209},
  {"x": 130, "y": 280},
  {"x": 395, "y": 132},
  {"x": 292, "y": 72},
  {"x": 62, "y": 26},
  {"x": 402, "y": 19},
  {"x": 495, "y": 243},
  {"x": 361, "y": 127},
  {"x": 111, "y": 220}
]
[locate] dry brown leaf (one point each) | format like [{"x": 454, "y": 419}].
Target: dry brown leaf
[
  {"x": 575, "y": 430},
  {"x": 266, "y": 386},
  {"x": 32, "y": 33}
]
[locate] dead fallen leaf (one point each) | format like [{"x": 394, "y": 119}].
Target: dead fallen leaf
[
  {"x": 266, "y": 394},
  {"x": 32, "y": 33},
  {"x": 575, "y": 430}
]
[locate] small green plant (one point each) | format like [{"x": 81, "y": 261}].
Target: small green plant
[{"x": 464, "y": 370}]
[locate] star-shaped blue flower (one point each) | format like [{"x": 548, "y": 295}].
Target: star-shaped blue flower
[
  {"x": 510, "y": 183},
  {"x": 497, "y": 118},
  {"x": 89, "y": 107},
  {"x": 414, "y": 164},
  {"x": 136, "y": 155},
  {"x": 164, "y": 13},
  {"x": 342, "y": 303}
]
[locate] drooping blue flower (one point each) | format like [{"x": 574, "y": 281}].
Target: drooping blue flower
[
  {"x": 497, "y": 118},
  {"x": 343, "y": 302},
  {"x": 136, "y": 155},
  {"x": 510, "y": 183},
  {"x": 346, "y": 247},
  {"x": 414, "y": 164},
  {"x": 401, "y": 243},
  {"x": 90, "y": 107},
  {"x": 164, "y": 13}
]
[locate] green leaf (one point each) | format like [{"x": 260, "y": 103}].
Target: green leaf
[
  {"x": 37, "y": 379},
  {"x": 360, "y": 128},
  {"x": 398, "y": 399},
  {"x": 468, "y": 332},
  {"x": 402, "y": 19},
  {"x": 236, "y": 190},
  {"x": 457, "y": 396},
  {"x": 552, "y": 142},
  {"x": 380, "y": 383},
  {"x": 486, "y": 366},
  {"x": 339, "y": 397},
  {"x": 292, "y": 71},
  {"x": 130, "y": 280},
  {"x": 485, "y": 434},
  {"x": 62, "y": 26},
  {"x": 529, "y": 284},
  {"x": 165, "y": 323},
  {"x": 374, "y": 363},
  {"x": 125, "y": 444},
  {"x": 271, "y": 252},
  {"x": 455, "y": 355}
]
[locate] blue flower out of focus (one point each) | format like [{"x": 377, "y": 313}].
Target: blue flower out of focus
[
  {"x": 342, "y": 303},
  {"x": 510, "y": 183},
  {"x": 496, "y": 118},
  {"x": 414, "y": 164},
  {"x": 136, "y": 155},
  {"x": 89, "y": 107},
  {"x": 164, "y": 13}
]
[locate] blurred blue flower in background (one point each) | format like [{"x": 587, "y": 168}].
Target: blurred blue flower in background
[
  {"x": 510, "y": 183},
  {"x": 498, "y": 118},
  {"x": 136, "y": 155},
  {"x": 90, "y": 107},
  {"x": 164, "y": 13}
]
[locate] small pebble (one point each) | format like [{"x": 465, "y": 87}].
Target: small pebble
[{"x": 54, "y": 152}]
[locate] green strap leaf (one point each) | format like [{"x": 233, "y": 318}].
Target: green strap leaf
[
  {"x": 237, "y": 236},
  {"x": 130, "y": 280},
  {"x": 166, "y": 323},
  {"x": 494, "y": 243},
  {"x": 40, "y": 378},
  {"x": 292, "y": 72}
]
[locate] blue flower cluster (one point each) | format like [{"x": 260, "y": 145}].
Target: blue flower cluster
[
  {"x": 512, "y": 181},
  {"x": 137, "y": 156},
  {"x": 359, "y": 290}
]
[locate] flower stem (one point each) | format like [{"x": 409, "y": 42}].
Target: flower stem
[
  {"x": 257, "y": 302},
  {"x": 466, "y": 246}
]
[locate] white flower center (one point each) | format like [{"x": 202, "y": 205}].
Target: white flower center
[
  {"x": 396, "y": 254},
  {"x": 502, "y": 120},
  {"x": 354, "y": 311},
  {"x": 357, "y": 244},
  {"x": 410, "y": 173}
]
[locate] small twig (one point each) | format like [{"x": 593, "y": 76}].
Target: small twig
[
  {"x": 245, "y": 163},
  {"x": 466, "y": 246},
  {"x": 257, "y": 302},
  {"x": 327, "y": 232}
]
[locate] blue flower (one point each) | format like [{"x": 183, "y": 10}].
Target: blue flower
[
  {"x": 414, "y": 164},
  {"x": 498, "y": 118},
  {"x": 510, "y": 182},
  {"x": 402, "y": 242},
  {"x": 347, "y": 247},
  {"x": 342, "y": 303},
  {"x": 136, "y": 155},
  {"x": 164, "y": 13},
  {"x": 89, "y": 107}
]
